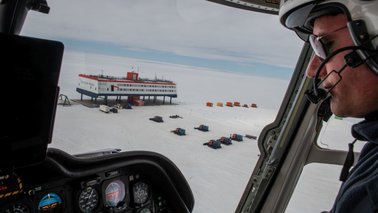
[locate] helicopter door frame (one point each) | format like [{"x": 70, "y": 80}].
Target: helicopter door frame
[{"x": 287, "y": 145}]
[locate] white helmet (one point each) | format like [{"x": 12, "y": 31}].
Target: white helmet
[{"x": 298, "y": 15}]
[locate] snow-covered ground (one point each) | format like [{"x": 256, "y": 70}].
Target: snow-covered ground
[{"x": 217, "y": 177}]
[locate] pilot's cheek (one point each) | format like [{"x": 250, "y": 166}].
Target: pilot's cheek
[{"x": 313, "y": 66}]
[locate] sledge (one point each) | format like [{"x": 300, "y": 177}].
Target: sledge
[{"x": 251, "y": 137}]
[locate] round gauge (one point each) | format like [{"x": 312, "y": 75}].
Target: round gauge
[
  {"x": 145, "y": 210},
  {"x": 18, "y": 208},
  {"x": 88, "y": 199},
  {"x": 114, "y": 193},
  {"x": 50, "y": 203},
  {"x": 140, "y": 192}
]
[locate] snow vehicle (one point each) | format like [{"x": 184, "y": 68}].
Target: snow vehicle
[
  {"x": 225, "y": 140},
  {"x": 236, "y": 137},
  {"x": 213, "y": 144},
  {"x": 104, "y": 108},
  {"x": 157, "y": 118},
  {"x": 202, "y": 128},
  {"x": 179, "y": 131}
]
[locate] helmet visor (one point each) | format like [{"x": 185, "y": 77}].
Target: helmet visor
[
  {"x": 301, "y": 18},
  {"x": 298, "y": 17}
]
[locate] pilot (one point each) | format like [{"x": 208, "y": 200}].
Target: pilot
[{"x": 344, "y": 37}]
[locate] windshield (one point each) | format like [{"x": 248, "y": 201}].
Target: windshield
[{"x": 170, "y": 76}]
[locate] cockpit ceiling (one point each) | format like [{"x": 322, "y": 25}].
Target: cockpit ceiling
[{"x": 264, "y": 6}]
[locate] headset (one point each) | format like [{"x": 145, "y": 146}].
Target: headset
[{"x": 352, "y": 59}]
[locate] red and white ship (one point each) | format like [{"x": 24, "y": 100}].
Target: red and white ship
[{"x": 131, "y": 86}]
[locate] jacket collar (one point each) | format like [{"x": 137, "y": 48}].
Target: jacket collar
[{"x": 367, "y": 130}]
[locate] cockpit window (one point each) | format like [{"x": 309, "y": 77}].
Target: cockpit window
[{"x": 181, "y": 78}]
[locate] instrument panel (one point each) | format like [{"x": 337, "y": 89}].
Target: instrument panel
[
  {"x": 49, "y": 188},
  {"x": 118, "y": 192}
]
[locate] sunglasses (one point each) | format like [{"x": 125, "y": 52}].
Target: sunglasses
[{"x": 321, "y": 48}]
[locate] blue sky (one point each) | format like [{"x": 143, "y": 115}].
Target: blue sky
[
  {"x": 196, "y": 32},
  {"x": 253, "y": 68}
]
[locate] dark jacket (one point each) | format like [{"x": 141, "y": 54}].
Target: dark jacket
[{"x": 359, "y": 193}]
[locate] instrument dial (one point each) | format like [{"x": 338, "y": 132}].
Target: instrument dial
[
  {"x": 88, "y": 199},
  {"x": 17, "y": 208},
  {"x": 140, "y": 192},
  {"x": 115, "y": 193},
  {"x": 50, "y": 203}
]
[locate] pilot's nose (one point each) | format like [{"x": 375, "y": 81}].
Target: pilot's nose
[{"x": 314, "y": 64}]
